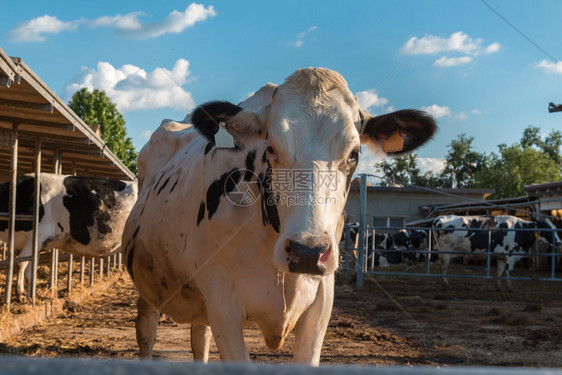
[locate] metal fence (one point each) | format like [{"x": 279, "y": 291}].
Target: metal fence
[{"x": 360, "y": 257}]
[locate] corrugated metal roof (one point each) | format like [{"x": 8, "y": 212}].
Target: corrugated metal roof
[{"x": 30, "y": 106}]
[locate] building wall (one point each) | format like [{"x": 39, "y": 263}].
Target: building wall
[{"x": 394, "y": 207}]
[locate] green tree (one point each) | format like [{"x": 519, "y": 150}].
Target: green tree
[
  {"x": 96, "y": 108},
  {"x": 462, "y": 163},
  {"x": 515, "y": 167},
  {"x": 550, "y": 146},
  {"x": 403, "y": 170}
]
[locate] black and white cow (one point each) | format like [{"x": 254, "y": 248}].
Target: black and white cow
[
  {"x": 383, "y": 241},
  {"x": 409, "y": 240},
  {"x": 78, "y": 215},
  {"x": 246, "y": 230},
  {"x": 503, "y": 243}
]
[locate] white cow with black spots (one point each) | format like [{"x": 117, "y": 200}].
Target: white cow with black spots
[
  {"x": 470, "y": 234},
  {"x": 226, "y": 237},
  {"x": 80, "y": 215}
]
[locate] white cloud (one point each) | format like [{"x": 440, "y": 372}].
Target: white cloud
[
  {"x": 437, "y": 111},
  {"x": 144, "y": 135},
  {"x": 475, "y": 112},
  {"x": 128, "y": 21},
  {"x": 367, "y": 161},
  {"x": 550, "y": 67},
  {"x": 457, "y": 42},
  {"x": 300, "y": 37},
  {"x": 433, "y": 165},
  {"x": 35, "y": 29},
  {"x": 175, "y": 22},
  {"x": 461, "y": 116},
  {"x": 369, "y": 98},
  {"x": 132, "y": 88},
  {"x": 127, "y": 25},
  {"x": 453, "y": 61},
  {"x": 494, "y": 47}
]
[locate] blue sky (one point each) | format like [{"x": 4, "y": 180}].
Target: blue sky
[{"x": 456, "y": 59}]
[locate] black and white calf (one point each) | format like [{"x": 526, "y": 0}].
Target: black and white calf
[
  {"x": 78, "y": 215},
  {"x": 409, "y": 240},
  {"x": 503, "y": 244},
  {"x": 383, "y": 241}
]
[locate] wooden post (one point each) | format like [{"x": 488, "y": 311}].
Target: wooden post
[
  {"x": 12, "y": 219},
  {"x": 36, "y": 249},
  {"x": 69, "y": 275},
  {"x": 82, "y": 267},
  {"x": 92, "y": 269}
]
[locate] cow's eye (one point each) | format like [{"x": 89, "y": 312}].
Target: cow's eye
[
  {"x": 353, "y": 157},
  {"x": 271, "y": 154}
]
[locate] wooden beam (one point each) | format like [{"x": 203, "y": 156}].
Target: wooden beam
[{"x": 47, "y": 107}]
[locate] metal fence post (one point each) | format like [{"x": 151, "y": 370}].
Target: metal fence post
[
  {"x": 489, "y": 255},
  {"x": 553, "y": 252},
  {"x": 361, "y": 234},
  {"x": 428, "y": 255},
  {"x": 346, "y": 231}
]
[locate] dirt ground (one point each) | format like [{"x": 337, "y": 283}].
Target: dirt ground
[{"x": 392, "y": 321}]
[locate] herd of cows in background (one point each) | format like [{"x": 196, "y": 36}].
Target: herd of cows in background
[
  {"x": 508, "y": 238},
  {"x": 203, "y": 258}
]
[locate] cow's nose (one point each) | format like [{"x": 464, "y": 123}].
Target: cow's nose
[{"x": 303, "y": 258}]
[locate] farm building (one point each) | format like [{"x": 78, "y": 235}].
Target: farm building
[
  {"x": 547, "y": 198},
  {"x": 39, "y": 133},
  {"x": 391, "y": 206},
  {"x": 36, "y": 120}
]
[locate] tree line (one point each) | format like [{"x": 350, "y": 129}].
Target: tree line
[{"x": 534, "y": 159}]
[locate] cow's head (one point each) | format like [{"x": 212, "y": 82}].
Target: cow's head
[
  {"x": 549, "y": 236},
  {"x": 308, "y": 135}
]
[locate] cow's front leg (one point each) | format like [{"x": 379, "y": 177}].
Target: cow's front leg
[
  {"x": 500, "y": 271},
  {"x": 224, "y": 313},
  {"x": 226, "y": 324},
  {"x": 508, "y": 269},
  {"x": 200, "y": 342},
  {"x": 22, "y": 276},
  {"x": 444, "y": 259},
  {"x": 146, "y": 325},
  {"x": 312, "y": 325}
]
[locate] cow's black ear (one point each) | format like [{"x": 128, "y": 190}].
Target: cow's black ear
[
  {"x": 206, "y": 118},
  {"x": 413, "y": 126}
]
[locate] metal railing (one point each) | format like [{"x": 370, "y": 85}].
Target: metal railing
[{"x": 360, "y": 257}]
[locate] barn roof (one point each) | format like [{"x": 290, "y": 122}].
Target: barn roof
[
  {"x": 551, "y": 187},
  {"x": 30, "y": 107}
]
